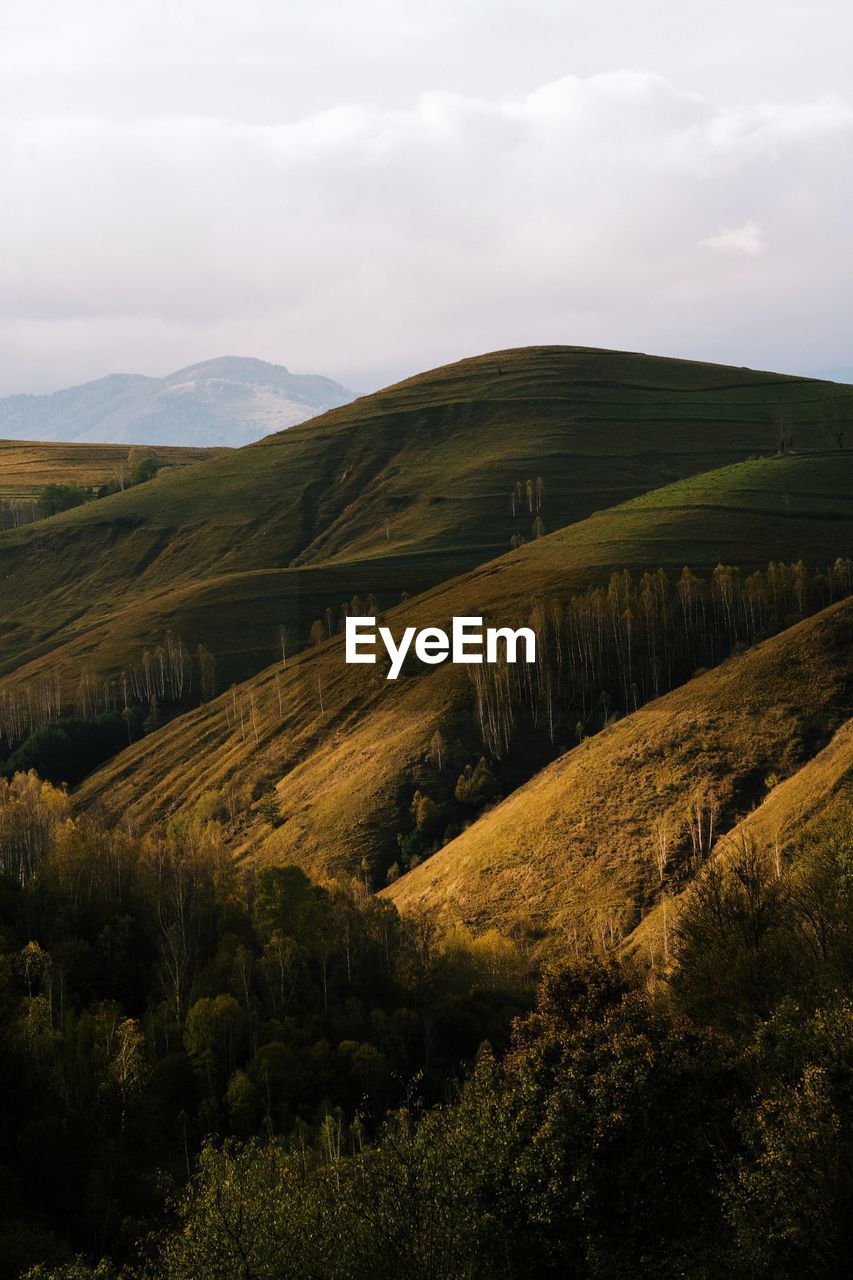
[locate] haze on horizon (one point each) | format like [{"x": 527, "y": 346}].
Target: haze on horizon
[{"x": 367, "y": 188}]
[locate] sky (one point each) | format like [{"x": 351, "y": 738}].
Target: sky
[{"x": 369, "y": 188}]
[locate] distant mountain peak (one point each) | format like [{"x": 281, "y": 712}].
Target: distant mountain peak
[
  {"x": 238, "y": 367},
  {"x": 230, "y": 400}
]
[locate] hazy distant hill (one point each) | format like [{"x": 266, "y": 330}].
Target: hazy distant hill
[{"x": 229, "y": 401}]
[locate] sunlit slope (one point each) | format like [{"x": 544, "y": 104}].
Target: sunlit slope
[
  {"x": 26, "y": 467},
  {"x": 344, "y": 772},
  {"x": 817, "y": 798},
  {"x": 816, "y": 792},
  {"x": 407, "y": 487},
  {"x": 575, "y": 847}
]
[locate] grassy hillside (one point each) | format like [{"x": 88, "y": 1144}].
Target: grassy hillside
[
  {"x": 745, "y": 515},
  {"x": 26, "y": 467},
  {"x": 575, "y": 848},
  {"x": 791, "y": 813},
  {"x": 398, "y": 490},
  {"x": 344, "y": 774}
]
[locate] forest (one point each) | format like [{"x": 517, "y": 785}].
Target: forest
[{"x": 217, "y": 1074}]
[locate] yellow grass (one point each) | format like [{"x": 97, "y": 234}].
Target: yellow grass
[
  {"x": 26, "y": 466},
  {"x": 574, "y": 848}
]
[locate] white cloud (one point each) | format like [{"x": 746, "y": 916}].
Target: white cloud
[
  {"x": 746, "y": 240},
  {"x": 159, "y": 220}
]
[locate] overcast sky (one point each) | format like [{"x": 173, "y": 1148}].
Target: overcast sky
[{"x": 367, "y": 188}]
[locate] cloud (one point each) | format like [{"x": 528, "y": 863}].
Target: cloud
[
  {"x": 368, "y": 240},
  {"x": 747, "y": 240}
]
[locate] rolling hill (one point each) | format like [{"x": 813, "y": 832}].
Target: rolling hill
[
  {"x": 395, "y": 492},
  {"x": 574, "y": 849},
  {"x": 343, "y": 775},
  {"x": 26, "y": 466},
  {"x": 172, "y": 984},
  {"x": 230, "y": 401}
]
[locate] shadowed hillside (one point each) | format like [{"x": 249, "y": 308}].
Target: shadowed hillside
[{"x": 399, "y": 490}]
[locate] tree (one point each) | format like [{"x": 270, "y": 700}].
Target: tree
[
  {"x": 127, "y": 1067},
  {"x": 784, "y": 427},
  {"x": 286, "y": 902},
  {"x": 283, "y": 640},
  {"x": 789, "y": 1194},
  {"x": 207, "y": 673},
  {"x": 437, "y": 750},
  {"x": 34, "y": 965},
  {"x": 661, "y": 841},
  {"x": 836, "y": 413},
  {"x": 477, "y": 785},
  {"x": 733, "y": 943},
  {"x": 214, "y": 1031},
  {"x": 152, "y": 720},
  {"x": 142, "y": 465},
  {"x": 54, "y": 498}
]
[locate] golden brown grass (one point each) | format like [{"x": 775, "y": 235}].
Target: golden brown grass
[
  {"x": 818, "y": 793},
  {"x": 26, "y": 467},
  {"x": 574, "y": 848}
]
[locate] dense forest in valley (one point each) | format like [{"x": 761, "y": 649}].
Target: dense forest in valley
[
  {"x": 308, "y": 1085},
  {"x": 153, "y": 996}
]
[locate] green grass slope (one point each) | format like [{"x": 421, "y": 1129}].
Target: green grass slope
[
  {"x": 574, "y": 849},
  {"x": 344, "y": 772},
  {"x": 399, "y": 490},
  {"x": 746, "y": 514}
]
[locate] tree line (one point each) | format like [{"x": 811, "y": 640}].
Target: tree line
[
  {"x": 153, "y": 994},
  {"x": 608, "y": 650},
  {"x": 167, "y": 674},
  {"x": 527, "y": 502},
  {"x": 697, "y": 1128}
]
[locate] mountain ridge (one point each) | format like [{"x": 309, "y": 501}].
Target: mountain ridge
[{"x": 229, "y": 400}]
